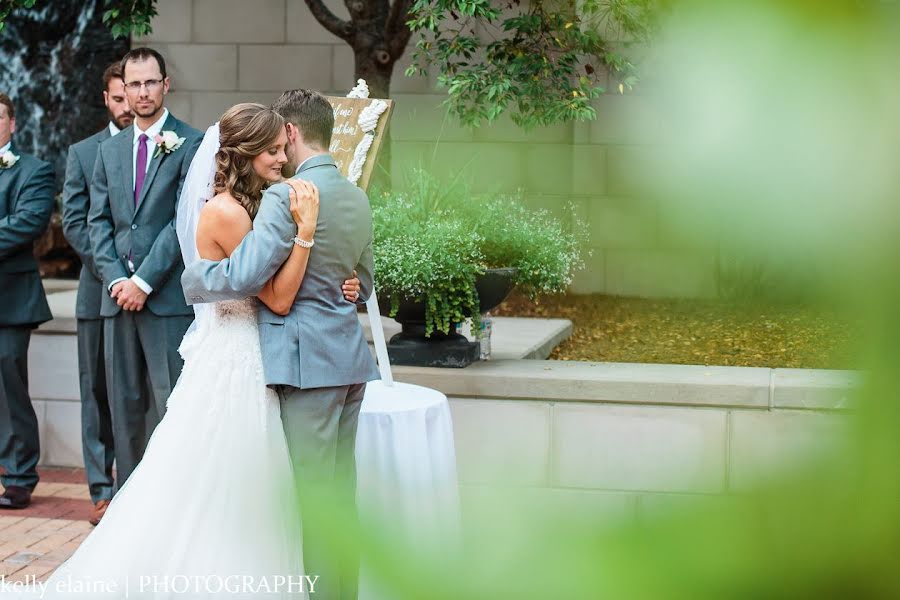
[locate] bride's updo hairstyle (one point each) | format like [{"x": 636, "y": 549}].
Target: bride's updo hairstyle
[{"x": 246, "y": 130}]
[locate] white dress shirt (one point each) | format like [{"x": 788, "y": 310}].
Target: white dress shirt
[
  {"x": 300, "y": 166},
  {"x": 5, "y": 148},
  {"x": 151, "y": 132},
  {"x": 113, "y": 130}
]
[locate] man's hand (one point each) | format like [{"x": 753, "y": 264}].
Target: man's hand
[
  {"x": 351, "y": 289},
  {"x": 128, "y": 295}
]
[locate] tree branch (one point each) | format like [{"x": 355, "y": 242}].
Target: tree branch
[
  {"x": 396, "y": 31},
  {"x": 328, "y": 20}
]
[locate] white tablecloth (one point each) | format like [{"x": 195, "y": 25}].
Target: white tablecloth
[{"x": 406, "y": 468}]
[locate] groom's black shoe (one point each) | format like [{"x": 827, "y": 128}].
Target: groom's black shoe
[{"x": 15, "y": 497}]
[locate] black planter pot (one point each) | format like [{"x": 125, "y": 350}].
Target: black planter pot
[{"x": 411, "y": 347}]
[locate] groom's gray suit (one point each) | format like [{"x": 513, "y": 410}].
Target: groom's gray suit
[
  {"x": 138, "y": 238},
  {"x": 316, "y": 357}
]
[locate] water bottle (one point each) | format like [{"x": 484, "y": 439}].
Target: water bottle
[{"x": 484, "y": 336}]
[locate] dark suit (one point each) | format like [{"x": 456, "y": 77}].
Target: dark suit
[
  {"x": 26, "y": 201},
  {"x": 96, "y": 422},
  {"x": 141, "y": 347}
]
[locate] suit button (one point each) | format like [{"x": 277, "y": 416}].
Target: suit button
[{"x": 133, "y": 227}]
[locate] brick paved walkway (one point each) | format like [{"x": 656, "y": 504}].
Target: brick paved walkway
[{"x": 36, "y": 540}]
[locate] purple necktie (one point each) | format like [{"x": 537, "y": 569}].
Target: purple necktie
[{"x": 140, "y": 169}]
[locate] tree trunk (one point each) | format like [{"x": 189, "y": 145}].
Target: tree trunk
[
  {"x": 376, "y": 73},
  {"x": 378, "y": 34}
]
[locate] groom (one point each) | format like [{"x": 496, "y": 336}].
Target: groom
[{"x": 316, "y": 357}]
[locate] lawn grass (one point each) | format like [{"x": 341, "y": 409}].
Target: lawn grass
[{"x": 702, "y": 332}]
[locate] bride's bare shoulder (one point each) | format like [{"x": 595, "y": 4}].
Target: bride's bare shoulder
[{"x": 223, "y": 209}]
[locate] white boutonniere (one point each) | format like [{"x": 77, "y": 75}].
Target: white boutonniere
[
  {"x": 167, "y": 142},
  {"x": 8, "y": 159}
]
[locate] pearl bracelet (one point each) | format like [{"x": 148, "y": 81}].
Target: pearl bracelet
[{"x": 304, "y": 243}]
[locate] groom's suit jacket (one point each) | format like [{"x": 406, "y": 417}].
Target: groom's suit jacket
[
  {"x": 76, "y": 202},
  {"x": 26, "y": 201},
  {"x": 320, "y": 343},
  {"x": 145, "y": 234}
]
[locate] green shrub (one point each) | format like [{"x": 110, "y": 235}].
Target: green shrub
[{"x": 433, "y": 239}]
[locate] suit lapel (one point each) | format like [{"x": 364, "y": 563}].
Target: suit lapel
[
  {"x": 170, "y": 124},
  {"x": 125, "y": 154}
]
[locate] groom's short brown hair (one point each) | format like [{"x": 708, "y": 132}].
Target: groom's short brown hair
[{"x": 310, "y": 112}]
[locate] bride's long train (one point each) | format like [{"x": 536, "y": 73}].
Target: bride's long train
[{"x": 210, "y": 510}]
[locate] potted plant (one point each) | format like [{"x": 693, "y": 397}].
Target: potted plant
[{"x": 443, "y": 255}]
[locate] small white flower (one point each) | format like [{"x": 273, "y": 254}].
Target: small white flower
[
  {"x": 8, "y": 159},
  {"x": 167, "y": 142}
]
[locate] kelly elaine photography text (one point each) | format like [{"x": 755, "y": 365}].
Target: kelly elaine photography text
[{"x": 175, "y": 585}]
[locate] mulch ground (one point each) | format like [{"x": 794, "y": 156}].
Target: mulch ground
[{"x": 704, "y": 332}]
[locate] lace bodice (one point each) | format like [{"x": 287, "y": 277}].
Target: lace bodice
[{"x": 236, "y": 309}]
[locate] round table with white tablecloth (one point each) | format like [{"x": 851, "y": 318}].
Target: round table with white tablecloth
[{"x": 405, "y": 463}]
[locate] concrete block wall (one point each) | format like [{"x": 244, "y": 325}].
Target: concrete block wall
[
  {"x": 221, "y": 52},
  {"x": 605, "y": 461},
  {"x": 606, "y": 439}
]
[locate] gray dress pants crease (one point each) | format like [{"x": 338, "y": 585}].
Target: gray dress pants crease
[
  {"x": 320, "y": 426},
  {"x": 20, "y": 446},
  {"x": 141, "y": 352},
  {"x": 96, "y": 420}
]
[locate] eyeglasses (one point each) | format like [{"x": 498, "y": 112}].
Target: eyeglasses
[{"x": 150, "y": 84}]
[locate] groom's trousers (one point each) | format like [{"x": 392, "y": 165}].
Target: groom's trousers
[{"x": 320, "y": 427}]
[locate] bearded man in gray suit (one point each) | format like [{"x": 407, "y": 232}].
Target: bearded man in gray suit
[
  {"x": 96, "y": 423},
  {"x": 135, "y": 185},
  {"x": 26, "y": 201},
  {"x": 315, "y": 357}
]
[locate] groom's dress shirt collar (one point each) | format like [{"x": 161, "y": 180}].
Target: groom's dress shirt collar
[
  {"x": 113, "y": 130},
  {"x": 300, "y": 166},
  {"x": 5, "y": 148},
  {"x": 317, "y": 158},
  {"x": 151, "y": 132}
]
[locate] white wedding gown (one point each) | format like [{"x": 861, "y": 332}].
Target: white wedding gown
[{"x": 211, "y": 504}]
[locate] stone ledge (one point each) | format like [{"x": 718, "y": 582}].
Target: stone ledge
[
  {"x": 621, "y": 383},
  {"x": 817, "y": 389},
  {"x": 513, "y": 337},
  {"x": 510, "y": 377}
]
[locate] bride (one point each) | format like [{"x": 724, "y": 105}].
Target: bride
[{"x": 211, "y": 510}]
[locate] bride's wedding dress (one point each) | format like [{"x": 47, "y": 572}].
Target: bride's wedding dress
[{"x": 210, "y": 511}]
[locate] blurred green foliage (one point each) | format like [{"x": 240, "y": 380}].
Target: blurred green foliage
[
  {"x": 540, "y": 61},
  {"x": 782, "y": 138}
]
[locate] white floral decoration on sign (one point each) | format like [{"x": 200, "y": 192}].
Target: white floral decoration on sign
[
  {"x": 368, "y": 121},
  {"x": 360, "y": 91}
]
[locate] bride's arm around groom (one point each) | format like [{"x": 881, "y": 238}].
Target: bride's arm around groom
[{"x": 253, "y": 262}]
